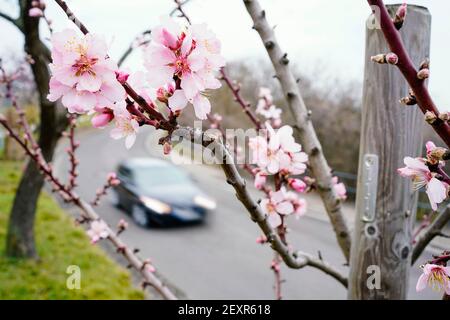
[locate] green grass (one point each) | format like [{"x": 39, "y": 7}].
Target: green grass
[{"x": 60, "y": 244}]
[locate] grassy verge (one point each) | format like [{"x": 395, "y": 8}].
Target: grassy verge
[{"x": 60, "y": 244}]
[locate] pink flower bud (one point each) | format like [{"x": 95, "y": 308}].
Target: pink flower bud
[
  {"x": 401, "y": 11},
  {"x": 167, "y": 148},
  {"x": 2, "y": 117},
  {"x": 275, "y": 266},
  {"x": 35, "y": 12},
  {"x": 423, "y": 74},
  {"x": 122, "y": 225},
  {"x": 260, "y": 180},
  {"x": 261, "y": 239},
  {"x": 391, "y": 58},
  {"x": 161, "y": 95},
  {"x": 122, "y": 77},
  {"x": 102, "y": 119},
  {"x": 112, "y": 175},
  {"x": 170, "y": 40},
  {"x": 298, "y": 185}
]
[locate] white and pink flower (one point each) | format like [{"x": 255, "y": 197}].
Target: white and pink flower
[
  {"x": 339, "y": 188},
  {"x": 278, "y": 204},
  {"x": 192, "y": 56},
  {"x": 98, "y": 231},
  {"x": 265, "y": 106},
  {"x": 418, "y": 171},
  {"x": 82, "y": 73},
  {"x": 299, "y": 204},
  {"x": 278, "y": 152},
  {"x": 435, "y": 276},
  {"x": 125, "y": 127}
]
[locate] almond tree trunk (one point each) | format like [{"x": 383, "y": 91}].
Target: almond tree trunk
[{"x": 20, "y": 240}]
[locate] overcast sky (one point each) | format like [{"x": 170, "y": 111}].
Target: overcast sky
[{"x": 318, "y": 34}]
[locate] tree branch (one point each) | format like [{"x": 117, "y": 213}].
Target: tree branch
[
  {"x": 409, "y": 71},
  {"x": 15, "y": 21},
  {"x": 434, "y": 230},
  {"x": 304, "y": 127},
  {"x": 153, "y": 113},
  {"x": 89, "y": 213},
  {"x": 225, "y": 159}
]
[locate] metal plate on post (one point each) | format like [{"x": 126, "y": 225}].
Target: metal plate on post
[{"x": 369, "y": 185}]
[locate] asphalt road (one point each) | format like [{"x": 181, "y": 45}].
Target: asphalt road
[{"x": 219, "y": 259}]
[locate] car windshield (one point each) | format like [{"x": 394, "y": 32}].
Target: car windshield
[{"x": 148, "y": 177}]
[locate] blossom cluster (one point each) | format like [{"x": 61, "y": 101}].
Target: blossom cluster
[
  {"x": 266, "y": 108},
  {"x": 428, "y": 172},
  {"x": 185, "y": 59},
  {"x": 276, "y": 154},
  {"x": 180, "y": 67}
]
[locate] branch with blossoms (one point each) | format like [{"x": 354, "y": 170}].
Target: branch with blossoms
[
  {"x": 180, "y": 64},
  {"x": 399, "y": 57},
  {"x": 265, "y": 215},
  {"x": 98, "y": 229},
  {"x": 425, "y": 172},
  {"x": 325, "y": 184},
  {"x": 276, "y": 154}
]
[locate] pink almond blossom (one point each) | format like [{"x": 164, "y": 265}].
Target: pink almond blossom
[
  {"x": 423, "y": 177},
  {"x": 298, "y": 185},
  {"x": 279, "y": 152},
  {"x": 435, "y": 276},
  {"x": 276, "y": 205},
  {"x": 265, "y": 106},
  {"x": 339, "y": 188},
  {"x": 98, "y": 231},
  {"x": 260, "y": 180},
  {"x": 125, "y": 127},
  {"x": 300, "y": 205},
  {"x": 192, "y": 56},
  {"x": 82, "y": 73}
]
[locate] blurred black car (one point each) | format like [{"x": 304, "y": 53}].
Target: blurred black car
[{"x": 155, "y": 192}]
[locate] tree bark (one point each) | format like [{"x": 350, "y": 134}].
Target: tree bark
[
  {"x": 386, "y": 204},
  {"x": 20, "y": 242}
]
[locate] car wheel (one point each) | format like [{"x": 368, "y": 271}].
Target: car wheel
[
  {"x": 114, "y": 197},
  {"x": 140, "y": 216}
]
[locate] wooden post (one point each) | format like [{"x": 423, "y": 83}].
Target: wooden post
[{"x": 385, "y": 202}]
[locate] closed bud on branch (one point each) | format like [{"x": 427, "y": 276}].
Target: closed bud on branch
[
  {"x": 400, "y": 16},
  {"x": 423, "y": 74},
  {"x": 381, "y": 58},
  {"x": 410, "y": 100},
  {"x": 425, "y": 64},
  {"x": 392, "y": 58},
  {"x": 167, "y": 148},
  {"x": 2, "y": 117},
  {"x": 444, "y": 116},
  {"x": 430, "y": 117},
  {"x": 439, "y": 153}
]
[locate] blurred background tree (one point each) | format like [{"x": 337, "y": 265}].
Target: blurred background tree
[{"x": 20, "y": 239}]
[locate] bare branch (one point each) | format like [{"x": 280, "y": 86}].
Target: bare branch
[
  {"x": 434, "y": 230},
  {"x": 133, "y": 46},
  {"x": 304, "y": 127},
  {"x": 15, "y": 21},
  {"x": 179, "y": 7}
]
